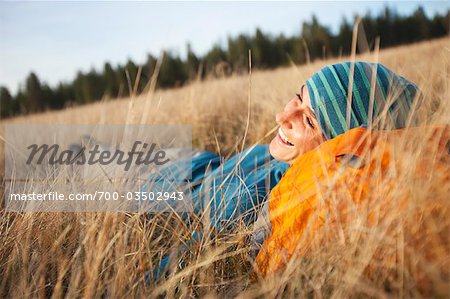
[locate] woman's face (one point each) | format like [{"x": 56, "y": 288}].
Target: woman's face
[{"x": 299, "y": 130}]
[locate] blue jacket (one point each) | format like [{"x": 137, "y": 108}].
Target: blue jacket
[{"x": 232, "y": 189}]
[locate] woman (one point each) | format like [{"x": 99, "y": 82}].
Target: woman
[
  {"x": 319, "y": 111},
  {"x": 335, "y": 146}
]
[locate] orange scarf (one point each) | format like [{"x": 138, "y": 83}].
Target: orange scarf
[{"x": 305, "y": 198}]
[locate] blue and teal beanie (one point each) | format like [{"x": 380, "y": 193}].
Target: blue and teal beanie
[{"x": 391, "y": 104}]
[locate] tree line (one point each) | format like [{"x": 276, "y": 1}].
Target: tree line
[{"x": 314, "y": 42}]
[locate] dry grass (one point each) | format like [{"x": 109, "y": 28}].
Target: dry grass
[{"x": 108, "y": 254}]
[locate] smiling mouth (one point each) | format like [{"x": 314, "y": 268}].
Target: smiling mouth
[{"x": 283, "y": 138}]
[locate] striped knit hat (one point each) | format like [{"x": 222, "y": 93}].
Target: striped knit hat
[{"x": 391, "y": 104}]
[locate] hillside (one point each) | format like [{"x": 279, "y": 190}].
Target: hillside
[{"x": 109, "y": 254}]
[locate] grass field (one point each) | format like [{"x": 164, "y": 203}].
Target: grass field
[{"x": 108, "y": 254}]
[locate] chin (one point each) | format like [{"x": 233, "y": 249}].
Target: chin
[
  {"x": 272, "y": 150},
  {"x": 278, "y": 153}
]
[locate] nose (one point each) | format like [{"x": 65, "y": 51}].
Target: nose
[{"x": 282, "y": 119}]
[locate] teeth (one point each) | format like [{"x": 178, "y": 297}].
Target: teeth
[{"x": 283, "y": 137}]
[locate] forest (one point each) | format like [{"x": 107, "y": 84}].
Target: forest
[{"x": 315, "y": 41}]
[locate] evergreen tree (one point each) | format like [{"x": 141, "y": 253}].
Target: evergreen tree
[
  {"x": 132, "y": 70},
  {"x": 317, "y": 37},
  {"x": 111, "y": 87},
  {"x": 213, "y": 57},
  {"x": 121, "y": 81},
  {"x": 8, "y": 105},
  {"x": 173, "y": 71},
  {"x": 343, "y": 42},
  {"x": 51, "y": 98},
  {"x": 421, "y": 25},
  {"x": 263, "y": 51},
  {"x": 281, "y": 49},
  {"x": 192, "y": 63},
  {"x": 237, "y": 52},
  {"x": 148, "y": 68},
  {"x": 80, "y": 88},
  {"x": 34, "y": 94}
]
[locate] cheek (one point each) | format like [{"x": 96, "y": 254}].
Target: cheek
[
  {"x": 299, "y": 137},
  {"x": 306, "y": 141}
]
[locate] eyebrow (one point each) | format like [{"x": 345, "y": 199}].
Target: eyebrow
[{"x": 301, "y": 90}]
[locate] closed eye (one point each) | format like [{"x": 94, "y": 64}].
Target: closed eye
[
  {"x": 309, "y": 122},
  {"x": 299, "y": 97}
]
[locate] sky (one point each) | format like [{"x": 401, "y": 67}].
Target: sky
[{"x": 57, "y": 39}]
